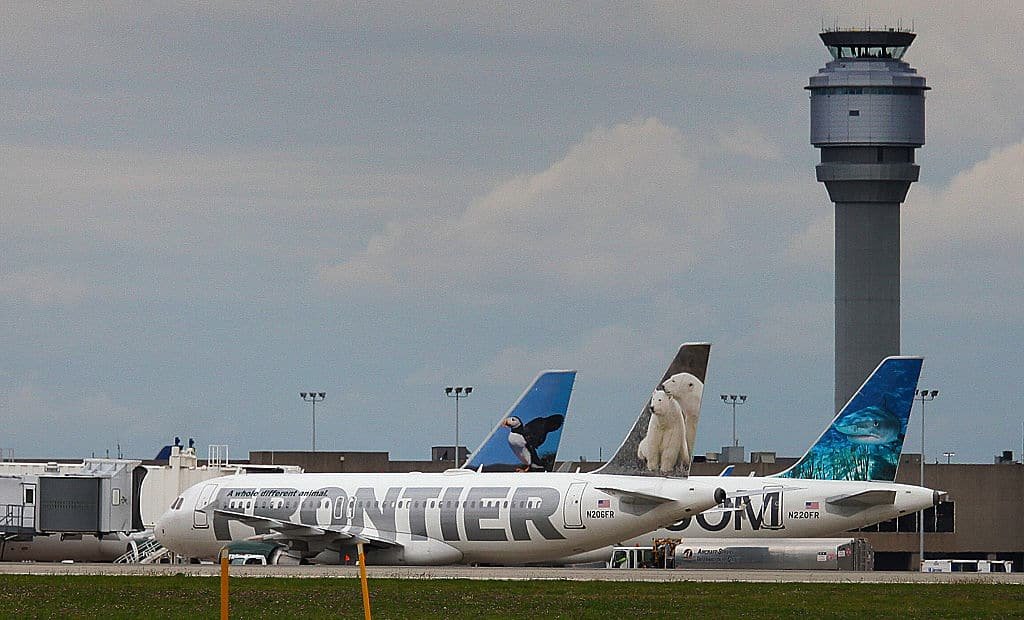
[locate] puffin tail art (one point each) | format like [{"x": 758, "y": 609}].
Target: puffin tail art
[{"x": 526, "y": 437}]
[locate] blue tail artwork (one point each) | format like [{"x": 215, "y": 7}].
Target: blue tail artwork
[
  {"x": 527, "y": 437},
  {"x": 865, "y": 439}
]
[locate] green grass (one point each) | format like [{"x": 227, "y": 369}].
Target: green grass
[{"x": 30, "y": 596}]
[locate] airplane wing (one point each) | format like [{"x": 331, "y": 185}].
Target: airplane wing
[
  {"x": 265, "y": 523},
  {"x": 285, "y": 531},
  {"x": 864, "y": 498}
]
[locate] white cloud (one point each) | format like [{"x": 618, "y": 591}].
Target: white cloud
[
  {"x": 621, "y": 212},
  {"x": 979, "y": 214},
  {"x": 967, "y": 236}
]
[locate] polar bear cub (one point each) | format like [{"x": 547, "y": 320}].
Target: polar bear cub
[
  {"x": 687, "y": 391},
  {"x": 664, "y": 445}
]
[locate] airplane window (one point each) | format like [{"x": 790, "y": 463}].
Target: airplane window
[{"x": 506, "y": 504}]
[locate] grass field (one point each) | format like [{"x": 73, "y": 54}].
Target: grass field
[{"x": 24, "y": 596}]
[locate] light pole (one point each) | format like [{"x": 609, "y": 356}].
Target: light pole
[
  {"x": 457, "y": 393},
  {"x": 313, "y": 397},
  {"x": 732, "y": 399},
  {"x": 948, "y": 455},
  {"x": 923, "y": 396}
]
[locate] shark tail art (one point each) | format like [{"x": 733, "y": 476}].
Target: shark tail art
[
  {"x": 661, "y": 442},
  {"x": 865, "y": 439},
  {"x": 526, "y": 438}
]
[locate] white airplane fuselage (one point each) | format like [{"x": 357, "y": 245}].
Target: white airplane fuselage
[
  {"x": 785, "y": 508},
  {"x": 459, "y": 516}
]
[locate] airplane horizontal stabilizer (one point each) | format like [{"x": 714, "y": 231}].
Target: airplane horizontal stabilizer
[
  {"x": 876, "y": 497},
  {"x": 635, "y": 497}
]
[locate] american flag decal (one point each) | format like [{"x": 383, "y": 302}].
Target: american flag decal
[
  {"x": 604, "y": 503},
  {"x": 810, "y": 505}
]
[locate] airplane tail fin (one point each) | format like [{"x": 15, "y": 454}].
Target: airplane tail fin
[
  {"x": 664, "y": 446},
  {"x": 527, "y": 436},
  {"x": 865, "y": 439}
]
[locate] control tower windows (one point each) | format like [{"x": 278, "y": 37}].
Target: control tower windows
[{"x": 866, "y": 51}]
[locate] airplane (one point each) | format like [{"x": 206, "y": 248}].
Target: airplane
[
  {"x": 844, "y": 481},
  {"x": 458, "y": 516}
]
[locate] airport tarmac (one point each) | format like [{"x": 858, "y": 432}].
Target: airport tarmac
[{"x": 513, "y": 573}]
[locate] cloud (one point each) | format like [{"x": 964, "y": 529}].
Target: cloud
[
  {"x": 41, "y": 287},
  {"x": 967, "y": 236},
  {"x": 57, "y": 423},
  {"x": 620, "y": 212},
  {"x": 964, "y": 243},
  {"x": 749, "y": 141},
  {"x": 980, "y": 214},
  {"x": 606, "y": 352},
  {"x": 813, "y": 247}
]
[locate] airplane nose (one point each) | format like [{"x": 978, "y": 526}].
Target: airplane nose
[
  {"x": 160, "y": 527},
  {"x": 938, "y": 497},
  {"x": 164, "y": 528}
]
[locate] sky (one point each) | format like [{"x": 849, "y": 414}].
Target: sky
[{"x": 207, "y": 208}]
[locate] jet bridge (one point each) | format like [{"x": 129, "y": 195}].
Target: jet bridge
[{"x": 98, "y": 497}]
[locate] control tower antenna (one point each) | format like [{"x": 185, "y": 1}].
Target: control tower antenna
[{"x": 867, "y": 118}]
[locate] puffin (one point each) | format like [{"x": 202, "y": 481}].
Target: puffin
[{"x": 524, "y": 439}]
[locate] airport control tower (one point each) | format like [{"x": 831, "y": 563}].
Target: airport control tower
[{"x": 867, "y": 117}]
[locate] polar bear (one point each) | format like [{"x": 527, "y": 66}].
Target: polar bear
[
  {"x": 686, "y": 390},
  {"x": 664, "y": 445}
]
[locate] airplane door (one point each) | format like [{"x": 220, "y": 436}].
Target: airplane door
[
  {"x": 572, "y": 509},
  {"x": 28, "y": 506},
  {"x": 199, "y": 517},
  {"x": 772, "y": 499}
]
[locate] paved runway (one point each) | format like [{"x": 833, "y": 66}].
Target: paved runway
[{"x": 513, "y": 573}]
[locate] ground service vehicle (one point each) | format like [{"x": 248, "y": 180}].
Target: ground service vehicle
[
  {"x": 967, "y": 566},
  {"x": 850, "y": 554}
]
